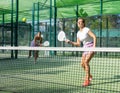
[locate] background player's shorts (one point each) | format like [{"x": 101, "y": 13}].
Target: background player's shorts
[{"x": 32, "y": 44}]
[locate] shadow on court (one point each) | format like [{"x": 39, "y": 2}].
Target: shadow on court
[{"x": 25, "y": 63}]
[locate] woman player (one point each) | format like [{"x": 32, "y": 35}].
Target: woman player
[
  {"x": 88, "y": 38},
  {"x": 37, "y": 41}
]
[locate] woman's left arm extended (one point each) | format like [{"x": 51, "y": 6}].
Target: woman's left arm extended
[{"x": 91, "y": 34}]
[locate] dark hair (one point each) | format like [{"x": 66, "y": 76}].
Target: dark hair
[{"x": 39, "y": 32}]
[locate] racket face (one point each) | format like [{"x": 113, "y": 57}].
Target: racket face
[
  {"x": 61, "y": 36},
  {"x": 46, "y": 43}
]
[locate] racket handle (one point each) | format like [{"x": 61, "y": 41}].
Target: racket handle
[{"x": 70, "y": 42}]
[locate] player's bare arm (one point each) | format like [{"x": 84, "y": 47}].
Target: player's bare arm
[
  {"x": 93, "y": 36},
  {"x": 75, "y": 43}
]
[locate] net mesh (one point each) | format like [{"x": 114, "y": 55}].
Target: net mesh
[{"x": 58, "y": 70}]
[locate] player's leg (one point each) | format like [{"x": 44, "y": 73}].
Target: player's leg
[
  {"x": 87, "y": 68},
  {"x": 82, "y": 61},
  {"x": 29, "y": 53},
  {"x": 83, "y": 64},
  {"x": 35, "y": 55}
]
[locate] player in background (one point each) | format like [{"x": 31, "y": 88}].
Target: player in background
[{"x": 36, "y": 42}]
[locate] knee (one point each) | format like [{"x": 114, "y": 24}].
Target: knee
[
  {"x": 86, "y": 64},
  {"x": 82, "y": 64}
]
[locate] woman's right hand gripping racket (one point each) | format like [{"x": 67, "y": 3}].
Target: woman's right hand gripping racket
[{"x": 62, "y": 36}]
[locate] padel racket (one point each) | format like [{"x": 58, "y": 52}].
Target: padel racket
[
  {"x": 46, "y": 43},
  {"x": 61, "y": 36}
]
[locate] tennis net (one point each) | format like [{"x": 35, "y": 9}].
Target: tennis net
[{"x": 58, "y": 70}]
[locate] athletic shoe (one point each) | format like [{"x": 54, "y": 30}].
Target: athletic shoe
[
  {"x": 90, "y": 78},
  {"x": 86, "y": 83}
]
